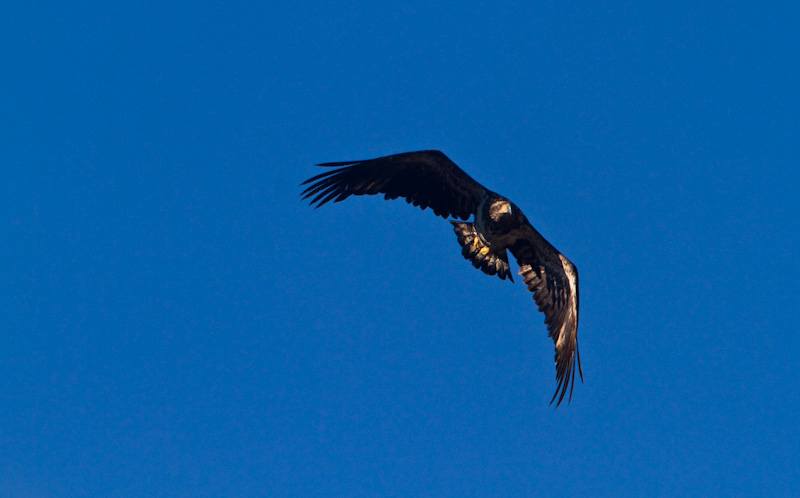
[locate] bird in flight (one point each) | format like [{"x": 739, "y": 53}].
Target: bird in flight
[{"x": 429, "y": 179}]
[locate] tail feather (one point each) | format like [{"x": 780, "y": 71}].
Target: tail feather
[{"x": 481, "y": 255}]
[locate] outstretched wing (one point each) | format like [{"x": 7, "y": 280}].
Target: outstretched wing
[
  {"x": 553, "y": 279},
  {"x": 426, "y": 179}
]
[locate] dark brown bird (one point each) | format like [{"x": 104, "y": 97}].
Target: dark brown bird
[{"x": 429, "y": 179}]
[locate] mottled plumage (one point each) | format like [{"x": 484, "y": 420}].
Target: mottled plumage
[{"x": 429, "y": 179}]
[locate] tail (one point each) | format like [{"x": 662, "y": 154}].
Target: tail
[{"x": 481, "y": 256}]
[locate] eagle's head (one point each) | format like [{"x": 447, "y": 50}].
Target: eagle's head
[{"x": 504, "y": 213}]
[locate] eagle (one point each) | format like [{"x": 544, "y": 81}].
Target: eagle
[{"x": 429, "y": 179}]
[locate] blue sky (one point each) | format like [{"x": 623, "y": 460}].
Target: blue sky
[{"x": 176, "y": 322}]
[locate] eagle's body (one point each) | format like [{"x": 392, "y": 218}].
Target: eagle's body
[{"x": 430, "y": 179}]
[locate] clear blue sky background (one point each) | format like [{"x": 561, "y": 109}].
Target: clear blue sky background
[{"x": 176, "y": 322}]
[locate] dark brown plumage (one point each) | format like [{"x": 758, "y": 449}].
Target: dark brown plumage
[{"x": 429, "y": 179}]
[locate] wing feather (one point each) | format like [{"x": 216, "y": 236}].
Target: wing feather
[
  {"x": 428, "y": 179},
  {"x": 553, "y": 279}
]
